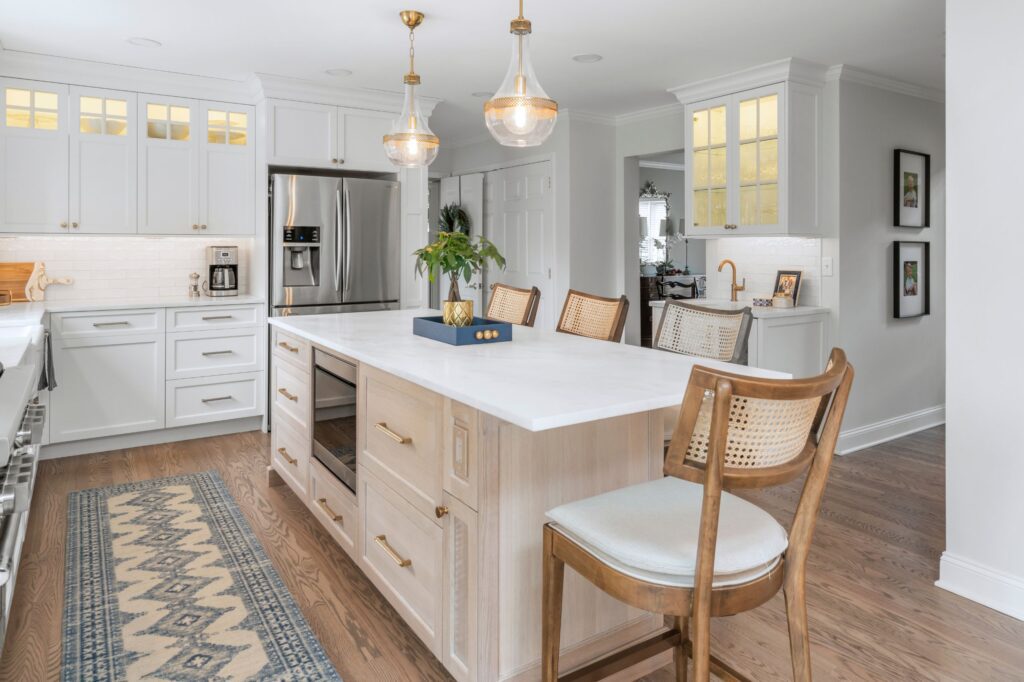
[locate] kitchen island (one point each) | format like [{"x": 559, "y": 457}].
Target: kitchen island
[{"x": 460, "y": 451}]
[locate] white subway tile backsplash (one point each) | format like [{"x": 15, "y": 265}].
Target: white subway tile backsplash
[
  {"x": 122, "y": 267},
  {"x": 758, "y": 259}
]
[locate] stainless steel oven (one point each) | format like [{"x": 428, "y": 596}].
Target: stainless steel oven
[{"x": 334, "y": 422}]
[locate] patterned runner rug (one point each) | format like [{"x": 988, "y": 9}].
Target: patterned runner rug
[{"x": 166, "y": 581}]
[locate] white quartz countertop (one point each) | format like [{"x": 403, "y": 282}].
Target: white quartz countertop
[
  {"x": 540, "y": 380},
  {"x": 32, "y": 313},
  {"x": 756, "y": 311}
]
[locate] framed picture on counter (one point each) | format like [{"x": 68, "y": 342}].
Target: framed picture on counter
[
  {"x": 787, "y": 284},
  {"x": 912, "y": 190},
  {"x": 911, "y": 279}
]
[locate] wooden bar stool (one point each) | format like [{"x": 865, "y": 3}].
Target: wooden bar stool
[
  {"x": 593, "y": 316},
  {"x": 512, "y": 304},
  {"x": 681, "y": 546},
  {"x": 703, "y": 332}
]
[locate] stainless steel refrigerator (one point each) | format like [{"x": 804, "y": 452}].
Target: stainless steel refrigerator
[{"x": 334, "y": 244}]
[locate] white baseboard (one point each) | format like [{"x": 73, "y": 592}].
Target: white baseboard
[
  {"x": 135, "y": 440},
  {"x": 994, "y": 589},
  {"x": 890, "y": 429}
]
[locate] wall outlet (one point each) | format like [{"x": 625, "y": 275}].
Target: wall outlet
[{"x": 826, "y": 266}]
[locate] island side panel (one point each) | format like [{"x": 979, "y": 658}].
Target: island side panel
[{"x": 524, "y": 475}]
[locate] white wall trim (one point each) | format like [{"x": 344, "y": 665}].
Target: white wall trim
[
  {"x": 883, "y": 431},
  {"x": 791, "y": 69},
  {"x": 661, "y": 111},
  {"x": 135, "y": 440},
  {"x": 977, "y": 582},
  {"x": 851, "y": 74},
  {"x": 296, "y": 89},
  {"x": 662, "y": 165},
  {"x": 509, "y": 163},
  {"x": 587, "y": 117}
]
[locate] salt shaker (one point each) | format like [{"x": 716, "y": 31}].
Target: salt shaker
[{"x": 193, "y": 285}]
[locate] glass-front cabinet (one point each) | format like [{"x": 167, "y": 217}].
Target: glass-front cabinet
[{"x": 753, "y": 162}]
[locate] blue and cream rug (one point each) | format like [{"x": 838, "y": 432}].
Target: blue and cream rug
[{"x": 166, "y": 581}]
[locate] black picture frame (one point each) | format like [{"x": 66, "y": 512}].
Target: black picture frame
[
  {"x": 798, "y": 275},
  {"x": 898, "y": 284},
  {"x": 898, "y": 214}
]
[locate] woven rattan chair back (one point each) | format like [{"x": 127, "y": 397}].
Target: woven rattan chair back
[
  {"x": 596, "y": 317},
  {"x": 512, "y": 304},
  {"x": 704, "y": 332}
]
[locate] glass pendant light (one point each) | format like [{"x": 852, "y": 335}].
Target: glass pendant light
[
  {"x": 520, "y": 114},
  {"x": 410, "y": 143}
]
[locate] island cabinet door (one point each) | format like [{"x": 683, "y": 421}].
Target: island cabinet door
[{"x": 461, "y": 605}]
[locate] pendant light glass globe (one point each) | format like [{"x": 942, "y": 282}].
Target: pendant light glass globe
[
  {"x": 411, "y": 144},
  {"x": 520, "y": 114}
]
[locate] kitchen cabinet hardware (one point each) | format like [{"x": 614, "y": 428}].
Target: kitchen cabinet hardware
[
  {"x": 195, "y": 226},
  {"x": 203, "y": 226},
  {"x": 119, "y": 323},
  {"x": 288, "y": 347},
  {"x": 74, "y": 225},
  {"x": 208, "y": 318},
  {"x": 383, "y": 428},
  {"x": 64, "y": 224},
  {"x": 217, "y": 352},
  {"x": 382, "y": 541},
  {"x": 441, "y": 511},
  {"x": 217, "y": 399},
  {"x": 322, "y": 503},
  {"x": 288, "y": 458},
  {"x": 289, "y": 396}
]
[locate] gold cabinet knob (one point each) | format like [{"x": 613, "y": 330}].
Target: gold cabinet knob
[
  {"x": 195, "y": 227},
  {"x": 202, "y": 227},
  {"x": 74, "y": 225},
  {"x": 334, "y": 161},
  {"x": 63, "y": 224},
  {"x": 441, "y": 511}
]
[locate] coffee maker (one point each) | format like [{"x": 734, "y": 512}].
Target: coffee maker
[{"x": 223, "y": 267}]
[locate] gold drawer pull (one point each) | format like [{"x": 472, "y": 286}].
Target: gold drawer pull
[
  {"x": 291, "y": 349},
  {"x": 288, "y": 458},
  {"x": 337, "y": 518},
  {"x": 383, "y": 428},
  {"x": 286, "y": 394},
  {"x": 441, "y": 512},
  {"x": 382, "y": 540}
]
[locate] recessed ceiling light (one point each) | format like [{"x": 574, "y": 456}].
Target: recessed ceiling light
[
  {"x": 587, "y": 58},
  {"x": 340, "y": 73},
  {"x": 483, "y": 94},
  {"x": 144, "y": 42}
]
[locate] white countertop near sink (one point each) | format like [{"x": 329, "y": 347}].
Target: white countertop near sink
[
  {"x": 32, "y": 313},
  {"x": 540, "y": 380},
  {"x": 756, "y": 311}
]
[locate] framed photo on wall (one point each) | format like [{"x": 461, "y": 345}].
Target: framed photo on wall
[
  {"x": 912, "y": 188},
  {"x": 911, "y": 279},
  {"x": 787, "y": 283}
]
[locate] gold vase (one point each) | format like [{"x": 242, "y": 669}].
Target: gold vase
[{"x": 458, "y": 313}]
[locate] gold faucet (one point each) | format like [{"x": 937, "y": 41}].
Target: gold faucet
[{"x": 735, "y": 287}]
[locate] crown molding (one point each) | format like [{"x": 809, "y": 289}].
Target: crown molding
[
  {"x": 660, "y": 111},
  {"x": 851, "y": 74},
  {"x": 296, "y": 89},
  {"x": 588, "y": 117},
  {"x": 40, "y": 67},
  {"x": 662, "y": 165},
  {"x": 791, "y": 69}
]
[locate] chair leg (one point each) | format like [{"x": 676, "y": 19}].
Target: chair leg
[
  {"x": 551, "y": 608},
  {"x": 679, "y": 654},
  {"x": 701, "y": 648},
  {"x": 799, "y": 636}
]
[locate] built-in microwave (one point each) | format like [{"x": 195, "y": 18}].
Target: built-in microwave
[{"x": 334, "y": 422}]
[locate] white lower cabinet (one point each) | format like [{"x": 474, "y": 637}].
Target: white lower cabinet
[
  {"x": 107, "y": 385},
  {"x": 205, "y": 399},
  {"x": 797, "y": 345}
]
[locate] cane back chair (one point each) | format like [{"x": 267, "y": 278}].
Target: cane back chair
[
  {"x": 512, "y": 304},
  {"x": 704, "y": 332},
  {"x": 593, "y": 316}
]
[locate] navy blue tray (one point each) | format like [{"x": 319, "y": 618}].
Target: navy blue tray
[{"x": 435, "y": 328}]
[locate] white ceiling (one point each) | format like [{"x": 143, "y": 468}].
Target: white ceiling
[{"x": 463, "y": 46}]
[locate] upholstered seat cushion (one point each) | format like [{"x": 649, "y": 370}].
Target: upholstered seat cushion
[{"x": 650, "y": 530}]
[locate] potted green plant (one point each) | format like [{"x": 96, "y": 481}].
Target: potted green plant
[
  {"x": 456, "y": 254},
  {"x": 453, "y": 218}
]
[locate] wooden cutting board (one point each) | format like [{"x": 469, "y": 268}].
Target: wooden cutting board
[{"x": 14, "y": 276}]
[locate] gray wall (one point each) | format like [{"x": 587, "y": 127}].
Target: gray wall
[
  {"x": 671, "y": 181},
  {"x": 900, "y": 363}
]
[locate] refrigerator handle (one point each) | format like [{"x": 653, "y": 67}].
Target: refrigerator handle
[
  {"x": 338, "y": 228},
  {"x": 346, "y": 231}
]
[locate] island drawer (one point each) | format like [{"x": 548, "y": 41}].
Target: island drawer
[
  {"x": 205, "y": 353},
  {"x": 290, "y": 348},
  {"x": 402, "y": 553},
  {"x": 290, "y": 393},
  {"x": 212, "y": 317},
  {"x": 335, "y": 506},
  {"x": 403, "y": 431},
  {"x": 290, "y": 455}
]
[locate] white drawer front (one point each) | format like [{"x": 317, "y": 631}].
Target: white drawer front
[
  {"x": 291, "y": 393},
  {"x": 210, "y": 317},
  {"x": 290, "y": 456},
  {"x": 106, "y": 323},
  {"x": 197, "y": 401},
  {"x": 207, "y": 353},
  {"x": 335, "y": 506},
  {"x": 290, "y": 348}
]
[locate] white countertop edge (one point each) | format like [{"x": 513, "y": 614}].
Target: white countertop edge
[
  {"x": 31, "y": 313},
  {"x": 756, "y": 311}
]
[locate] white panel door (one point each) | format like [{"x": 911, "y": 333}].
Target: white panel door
[
  {"x": 33, "y": 156},
  {"x": 414, "y": 236},
  {"x": 169, "y": 131},
  {"x": 303, "y": 134},
  {"x": 362, "y": 146},
  {"x": 227, "y": 169},
  {"x": 103, "y": 176},
  {"x": 471, "y": 196},
  {"x": 519, "y": 219},
  {"x": 108, "y": 385}
]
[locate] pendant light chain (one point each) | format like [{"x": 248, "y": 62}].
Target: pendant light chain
[{"x": 412, "y": 50}]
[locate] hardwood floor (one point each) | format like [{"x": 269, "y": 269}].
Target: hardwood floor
[{"x": 874, "y": 611}]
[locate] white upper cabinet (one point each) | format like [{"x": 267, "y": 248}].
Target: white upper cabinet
[
  {"x": 227, "y": 182},
  {"x": 753, "y": 154},
  {"x": 168, "y": 134},
  {"x": 102, "y": 180},
  {"x": 326, "y": 136},
  {"x": 33, "y": 156}
]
